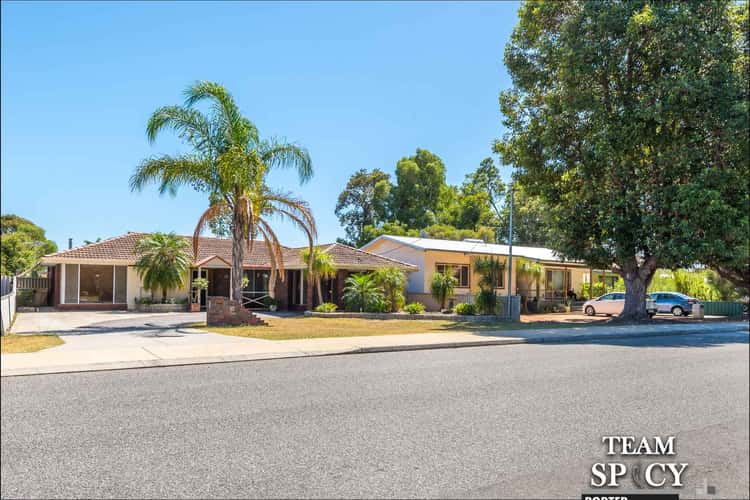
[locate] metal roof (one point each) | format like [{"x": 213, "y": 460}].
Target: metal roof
[{"x": 473, "y": 246}]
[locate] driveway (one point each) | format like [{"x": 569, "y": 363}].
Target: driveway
[
  {"x": 106, "y": 337},
  {"x": 80, "y": 322}
]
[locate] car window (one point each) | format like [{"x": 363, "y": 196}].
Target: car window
[
  {"x": 606, "y": 297},
  {"x": 618, "y": 296}
]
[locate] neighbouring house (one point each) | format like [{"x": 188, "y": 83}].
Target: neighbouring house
[
  {"x": 102, "y": 275},
  {"x": 431, "y": 255}
]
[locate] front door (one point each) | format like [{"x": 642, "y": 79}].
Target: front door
[{"x": 218, "y": 283}]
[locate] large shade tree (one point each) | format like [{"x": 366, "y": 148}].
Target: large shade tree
[
  {"x": 363, "y": 202},
  {"x": 229, "y": 162},
  {"x": 629, "y": 119},
  {"x": 23, "y": 244}
]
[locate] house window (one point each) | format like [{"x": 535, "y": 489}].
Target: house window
[
  {"x": 609, "y": 280},
  {"x": 460, "y": 271}
]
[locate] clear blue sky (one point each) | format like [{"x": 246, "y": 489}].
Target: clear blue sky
[{"x": 361, "y": 85}]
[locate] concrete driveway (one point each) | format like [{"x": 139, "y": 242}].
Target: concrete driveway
[{"x": 100, "y": 337}]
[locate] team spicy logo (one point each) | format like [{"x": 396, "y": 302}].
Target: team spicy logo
[{"x": 655, "y": 474}]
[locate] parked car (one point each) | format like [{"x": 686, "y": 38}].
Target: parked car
[
  {"x": 613, "y": 303},
  {"x": 676, "y": 303}
]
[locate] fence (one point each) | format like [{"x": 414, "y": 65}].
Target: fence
[
  {"x": 720, "y": 308},
  {"x": 6, "y": 285},
  {"x": 7, "y": 303},
  {"x": 32, "y": 283}
]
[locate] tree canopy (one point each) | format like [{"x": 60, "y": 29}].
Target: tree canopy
[
  {"x": 23, "y": 244},
  {"x": 629, "y": 120},
  {"x": 370, "y": 205}
]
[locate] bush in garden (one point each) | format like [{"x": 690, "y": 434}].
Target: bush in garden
[
  {"x": 326, "y": 307},
  {"x": 465, "y": 309},
  {"x": 414, "y": 308}
]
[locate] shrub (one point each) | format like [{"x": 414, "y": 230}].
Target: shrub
[
  {"x": 443, "y": 285},
  {"x": 25, "y": 298},
  {"x": 326, "y": 307},
  {"x": 362, "y": 294},
  {"x": 465, "y": 309},
  {"x": 414, "y": 308},
  {"x": 270, "y": 301},
  {"x": 144, "y": 300},
  {"x": 486, "y": 301},
  {"x": 392, "y": 280}
]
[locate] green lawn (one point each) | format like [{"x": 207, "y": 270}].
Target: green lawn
[
  {"x": 300, "y": 327},
  {"x": 27, "y": 343}
]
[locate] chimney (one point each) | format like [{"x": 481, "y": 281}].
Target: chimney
[{"x": 70, "y": 243}]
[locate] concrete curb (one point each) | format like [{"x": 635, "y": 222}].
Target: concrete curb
[{"x": 556, "y": 339}]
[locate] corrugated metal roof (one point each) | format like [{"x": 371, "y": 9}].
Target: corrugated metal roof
[{"x": 535, "y": 253}]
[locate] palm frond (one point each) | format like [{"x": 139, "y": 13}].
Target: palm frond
[
  {"x": 237, "y": 129},
  {"x": 191, "y": 125},
  {"x": 212, "y": 212},
  {"x": 285, "y": 155},
  {"x": 171, "y": 172},
  {"x": 273, "y": 245}
]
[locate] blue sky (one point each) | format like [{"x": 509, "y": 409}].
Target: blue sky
[{"x": 361, "y": 85}]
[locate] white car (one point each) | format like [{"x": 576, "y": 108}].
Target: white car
[{"x": 613, "y": 303}]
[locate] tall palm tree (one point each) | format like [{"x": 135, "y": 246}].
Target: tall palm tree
[
  {"x": 230, "y": 163},
  {"x": 163, "y": 262},
  {"x": 322, "y": 268}
]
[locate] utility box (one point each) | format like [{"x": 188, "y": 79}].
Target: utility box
[{"x": 698, "y": 311}]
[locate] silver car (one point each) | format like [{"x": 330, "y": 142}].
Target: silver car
[
  {"x": 613, "y": 303},
  {"x": 676, "y": 303}
]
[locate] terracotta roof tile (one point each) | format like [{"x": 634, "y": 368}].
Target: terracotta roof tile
[{"x": 122, "y": 248}]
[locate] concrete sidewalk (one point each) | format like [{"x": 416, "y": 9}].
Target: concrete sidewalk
[{"x": 188, "y": 346}]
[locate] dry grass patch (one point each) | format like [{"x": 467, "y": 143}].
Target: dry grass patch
[
  {"x": 28, "y": 343},
  {"x": 299, "y": 327}
]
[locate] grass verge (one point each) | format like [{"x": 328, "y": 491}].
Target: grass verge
[
  {"x": 300, "y": 327},
  {"x": 28, "y": 343}
]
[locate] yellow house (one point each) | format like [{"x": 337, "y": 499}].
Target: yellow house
[{"x": 559, "y": 277}]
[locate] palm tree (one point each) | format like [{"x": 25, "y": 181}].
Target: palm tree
[
  {"x": 393, "y": 281},
  {"x": 362, "y": 293},
  {"x": 163, "y": 262},
  {"x": 322, "y": 268},
  {"x": 527, "y": 273},
  {"x": 443, "y": 285},
  {"x": 230, "y": 163}
]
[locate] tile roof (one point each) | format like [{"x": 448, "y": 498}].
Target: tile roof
[{"x": 122, "y": 248}]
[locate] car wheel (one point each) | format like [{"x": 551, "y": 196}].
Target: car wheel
[
  {"x": 677, "y": 311},
  {"x": 590, "y": 311}
]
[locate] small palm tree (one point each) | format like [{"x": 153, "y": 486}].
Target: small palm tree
[
  {"x": 393, "y": 281},
  {"x": 443, "y": 285},
  {"x": 527, "y": 273},
  {"x": 230, "y": 163},
  {"x": 322, "y": 268},
  {"x": 163, "y": 262},
  {"x": 362, "y": 293}
]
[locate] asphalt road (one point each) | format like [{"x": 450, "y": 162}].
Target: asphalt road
[{"x": 505, "y": 421}]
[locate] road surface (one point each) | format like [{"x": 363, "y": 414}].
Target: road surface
[{"x": 505, "y": 421}]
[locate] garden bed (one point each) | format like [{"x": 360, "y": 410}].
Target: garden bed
[
  {"x": 402, "y": 316},
  {"x": 161, "y": 308}
]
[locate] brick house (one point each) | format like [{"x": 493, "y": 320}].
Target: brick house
[{"x": 102, "y": 275}]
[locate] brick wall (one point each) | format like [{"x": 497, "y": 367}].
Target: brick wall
[{"x": 224, "y": 311}]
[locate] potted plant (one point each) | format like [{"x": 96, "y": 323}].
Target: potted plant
[
  {"x": 271, "y": 303},
  {"x": 199, "y": 284}
]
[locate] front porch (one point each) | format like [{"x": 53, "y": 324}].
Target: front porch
[{"x": 291, "y": 294}]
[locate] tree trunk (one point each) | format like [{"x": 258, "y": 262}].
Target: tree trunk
[
  {"x": 163, "y": 295},
  {"x": 320, "y": 289},
  {"x": 272, "y": 283},
  {"x": 238, "y": 254},
  {"x": 309, "y": 294},
  {"x": 637, "y": 279}
]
